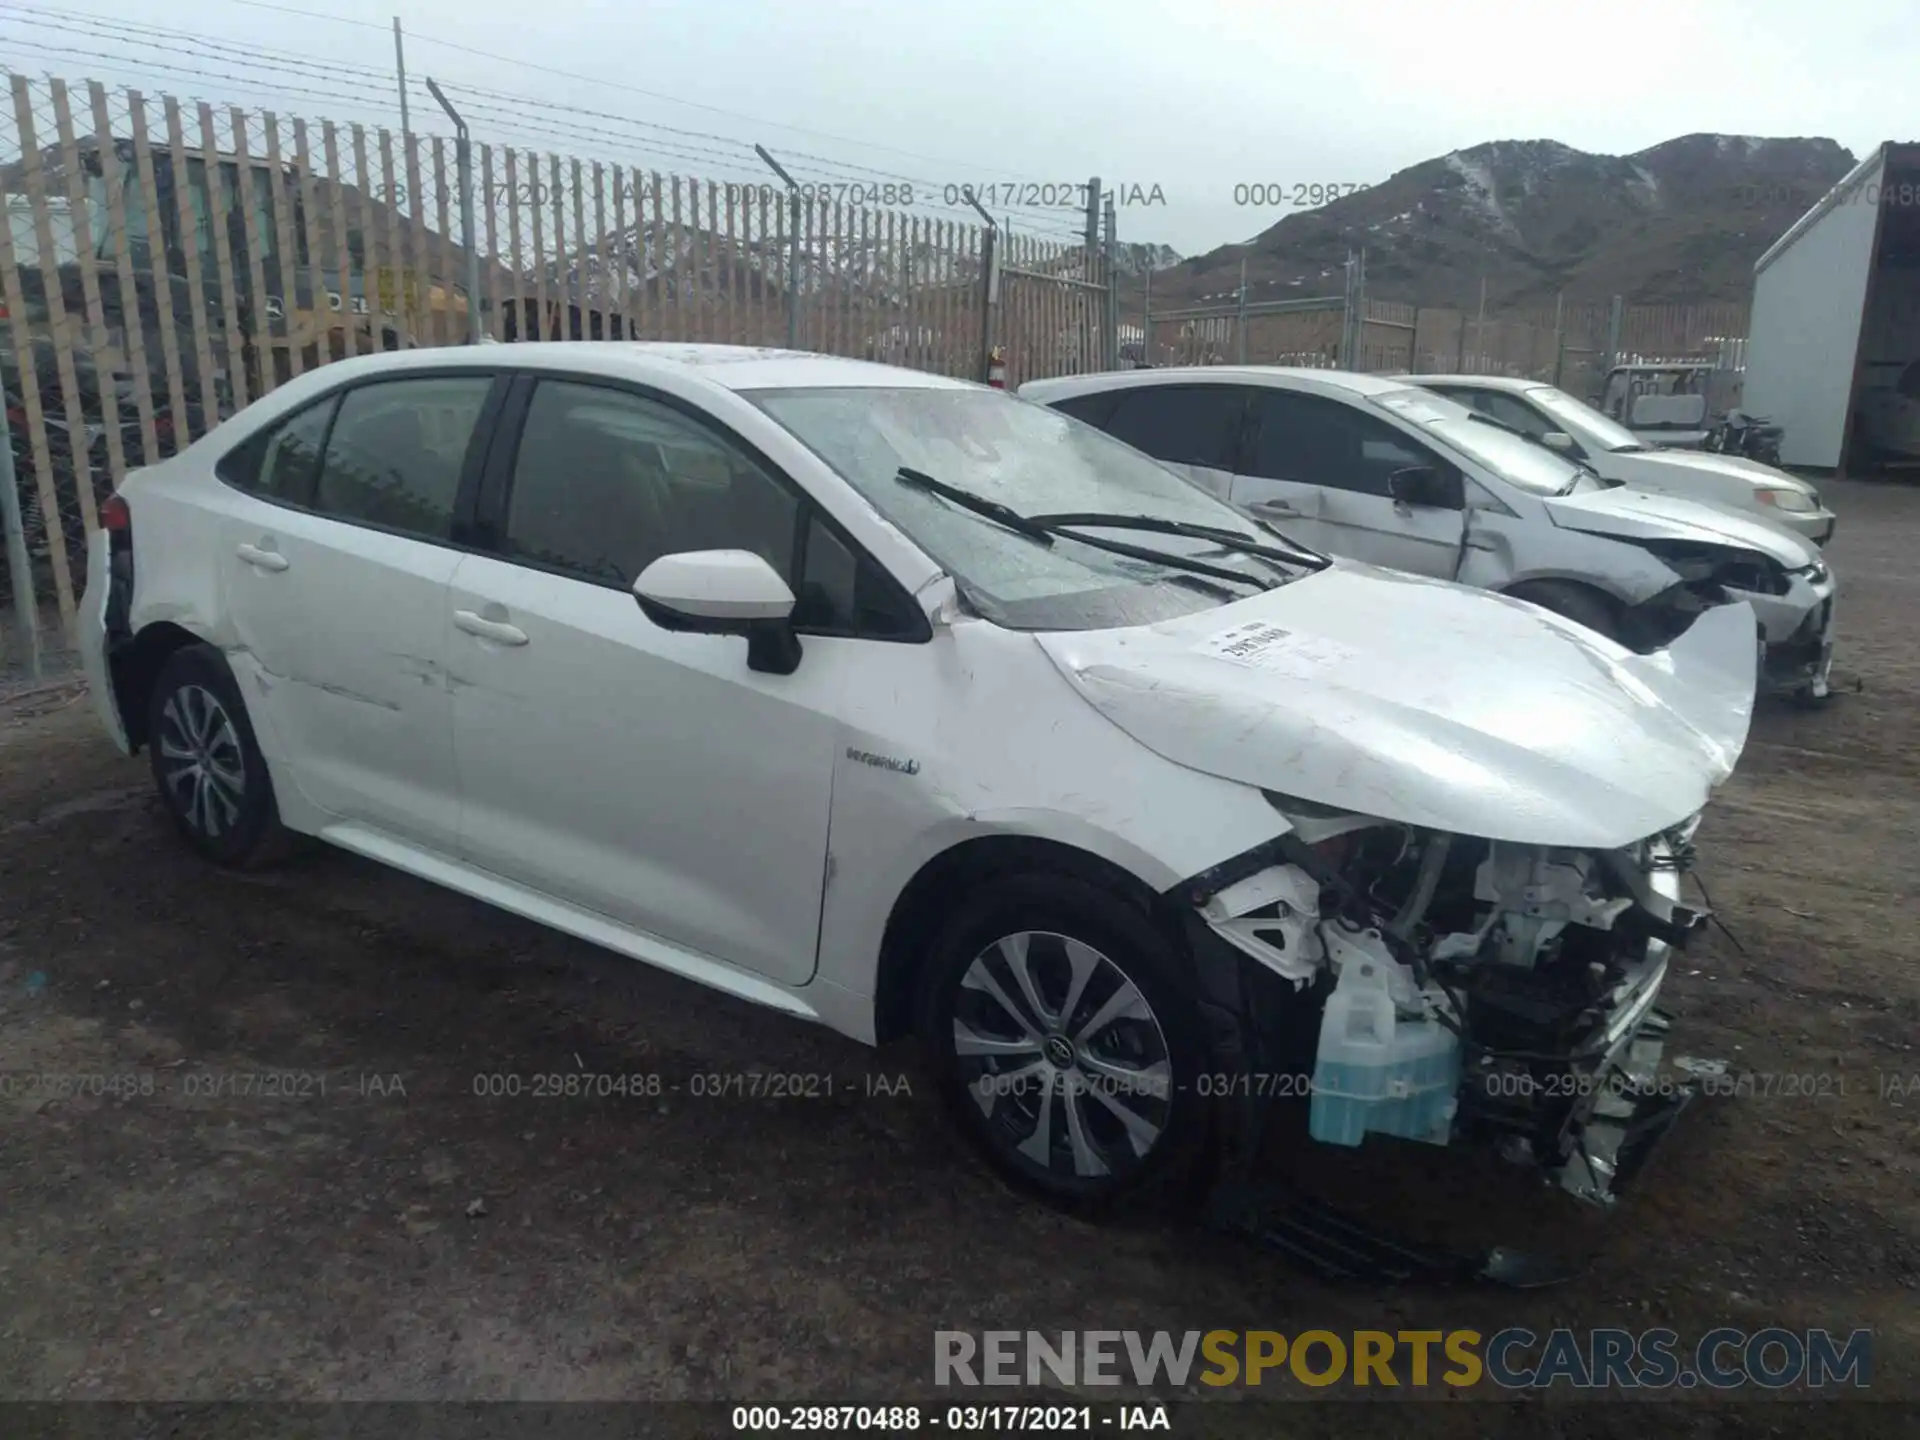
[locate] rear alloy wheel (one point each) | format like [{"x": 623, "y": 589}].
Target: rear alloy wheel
[
  {"x": 1063, "y": 1040},
  {"x": 206, "y": 764}
]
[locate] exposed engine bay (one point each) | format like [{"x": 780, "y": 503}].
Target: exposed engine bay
[{"x": 1467, "y": 990}]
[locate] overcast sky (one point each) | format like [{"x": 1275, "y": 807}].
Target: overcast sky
[{"x": 1192, "y": 96}]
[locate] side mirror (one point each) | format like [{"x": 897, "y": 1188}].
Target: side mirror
[
  {"x": 1558, "y": 440},
  {"x": 724, "y": 592},
  {"x": 1425, "y": 486}
]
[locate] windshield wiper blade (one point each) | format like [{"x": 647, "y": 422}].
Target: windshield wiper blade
[
  {"x": 1291, "y": 555},
  {"x": 979, "y": 504},
  {"x": 1037, "y": 530}
]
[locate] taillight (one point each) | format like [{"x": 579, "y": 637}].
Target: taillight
[{"x": 114, "y": 514}]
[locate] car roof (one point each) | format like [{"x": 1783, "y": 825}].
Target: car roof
[
  {"x": 1479, "y": 382},
  {"x": 733, "y": 367},
  {"x": 1282, "y": 377}
]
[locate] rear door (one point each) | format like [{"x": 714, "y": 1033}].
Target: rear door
[
  {"x": 335, "y": 562},
  {"x": 1196, "y": 429},
  {"x": 1313, "y": 446}
]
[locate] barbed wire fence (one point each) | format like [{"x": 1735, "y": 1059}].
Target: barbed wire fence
[{"x": 167, "y": 259}]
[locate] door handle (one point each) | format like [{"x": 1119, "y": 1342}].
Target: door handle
[
  {"x": 261, "y": 559},
  {"x": 498, "y": 631},
  {"x": 1273, "y": 507}
]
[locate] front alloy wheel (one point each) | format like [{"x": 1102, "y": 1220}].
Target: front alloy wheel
[
  {"x": 1059, "y": 1019},
  {"x": 1063, "y": 1055}
]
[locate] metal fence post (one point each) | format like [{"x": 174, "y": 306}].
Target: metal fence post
[
  {"x": 989, "y": 280},
  {"x": 1110, "y": 311},
  {"x": 793, "y": 247},
  {"x": 463, "y": 168},
  {"x": 1349, "y": 356},
  {"x": 26, "y": 612},
  {"x": 1240, "y": 315},
  {"x": 1090, "y": 327},
  {"x": 1559, "y": 335},
  {"x": 1360, "y": 309},
  {"x": 1480, "y": 331},
  {"x": 1615, "y": 314},
  {"x": 1146, "y": 316}
]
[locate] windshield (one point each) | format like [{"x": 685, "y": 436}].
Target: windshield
[
  {"x": 1034, "y": 461},
  {"x": 1584, "y": 423},
  {"x": 1514, "y": 458}
]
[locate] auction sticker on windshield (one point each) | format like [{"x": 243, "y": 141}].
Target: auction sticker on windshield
[{"x": 1263, "y": 645}]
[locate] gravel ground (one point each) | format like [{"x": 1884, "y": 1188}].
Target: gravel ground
[{"x": 370, "y": 1227}]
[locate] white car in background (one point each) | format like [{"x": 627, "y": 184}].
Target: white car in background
[
  {"x": 903, "y": 706},
  {"x": 1379, "y": 470},
  {"x": 1577, "y": 430}
]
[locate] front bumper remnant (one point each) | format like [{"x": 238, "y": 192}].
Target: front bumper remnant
[{"x": 1629, "y": 1113}]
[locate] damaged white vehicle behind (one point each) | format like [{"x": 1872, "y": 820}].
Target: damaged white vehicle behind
[
  {"x": 902, "y": 705},
  {"x": 1372, "y": 468}
]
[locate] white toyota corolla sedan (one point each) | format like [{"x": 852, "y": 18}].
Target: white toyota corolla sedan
[
  {"x": 1592, "y": 438},
  {"x": 902, "y": 705}
]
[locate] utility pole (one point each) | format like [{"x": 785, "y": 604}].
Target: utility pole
[{"x": 400, "y": 69}]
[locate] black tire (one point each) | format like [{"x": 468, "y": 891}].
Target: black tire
[
  {"x": 1003, "y": 1114},
  {"x": 207, "y": 765},
  {"x": 1576, "y": 603},
  {"x": 1805, "y": 699}
]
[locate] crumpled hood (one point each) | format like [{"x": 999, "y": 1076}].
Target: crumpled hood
[
  {"x": 1433, "y": 704},
  {"x": 1738, "y": 466},
  {"x": 1631, "y": 514}
]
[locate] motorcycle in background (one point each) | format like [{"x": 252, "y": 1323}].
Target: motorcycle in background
[{"x": 1752, "y": 436}]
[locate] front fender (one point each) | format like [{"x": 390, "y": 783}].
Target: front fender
[
  {"x": 1503, "y": 551},
  {"x": 1157, "y": 821}
]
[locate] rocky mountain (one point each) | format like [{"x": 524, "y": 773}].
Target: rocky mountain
[
  {"x": 1681, "y": 221},
  {"x": 1139, "y": 257}
]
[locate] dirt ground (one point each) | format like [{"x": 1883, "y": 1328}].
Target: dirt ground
[{"x": 373, "y": 1228}]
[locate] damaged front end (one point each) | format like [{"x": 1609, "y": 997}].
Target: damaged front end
[
  {"x": 1454, "y": 990},
  {"x": 1793, "y": 607}
]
